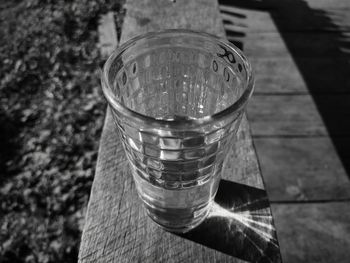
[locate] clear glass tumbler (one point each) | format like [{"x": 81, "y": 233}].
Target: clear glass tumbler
[{"x": 177, "y": 98}]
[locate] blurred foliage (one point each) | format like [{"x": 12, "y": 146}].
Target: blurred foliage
[{"x": 51, "y": 116}]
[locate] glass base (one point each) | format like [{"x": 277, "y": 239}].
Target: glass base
[{"x": 178, "y": 220}]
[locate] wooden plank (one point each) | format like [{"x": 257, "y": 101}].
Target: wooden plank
[
  {"x": 267, "y": 4},
  {"x": 117, "y": 228},
  {"x": 144, "y": 18},
  {"x": 285, "y": 115},
  {"x": 300, "y": 45},
  {"x": 293, "y": 15},
  {"x": 328, "y": 4},
  {"x": 300, "y": 115},
  {"x": 282, "y": 76},
  {"x": 306, "y": 18},
  {"x": 291, "y": 61},
  {"x": 296, "y": 48},
  {"x": 107, "y": 32},
  {"x": 314, "y": 233},
  {"x": 316, "y": 63},
  {"x": 303, "y": 169},
  {"x": 297, "y": 62}
]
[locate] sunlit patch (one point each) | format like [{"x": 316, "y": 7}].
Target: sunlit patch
[{"x": 261, "y": 224}]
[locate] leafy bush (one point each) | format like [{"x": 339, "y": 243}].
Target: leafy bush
[{"x": 51, "y": 116}]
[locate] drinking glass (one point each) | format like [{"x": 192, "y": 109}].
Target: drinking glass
[{"x": 177, "y": 98}]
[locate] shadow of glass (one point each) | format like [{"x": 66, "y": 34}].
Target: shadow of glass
[
  {"x": 240, "y": 224},
  {"x": 320, "y": 48}
]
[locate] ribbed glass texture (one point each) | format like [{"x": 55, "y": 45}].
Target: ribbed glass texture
[{"x": 177, "y": 99}]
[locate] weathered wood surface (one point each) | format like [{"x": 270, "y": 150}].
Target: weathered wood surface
[
  {"x": 256, "y": 15},
  {"x": 305, "y": 45},
  {"x": 107, "y": 34},
  {"x": 117, "y": 228},
  {"x": 276, "y": 75},
  {"x": 314, "y": 232},
  {"x": 302, "y": 169},
  {"x": 298, "y": 115},
  {"x": 300, "y": 50}
]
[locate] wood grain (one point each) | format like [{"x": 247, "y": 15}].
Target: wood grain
[
  {"x": 298, "y": 115},
  {"x": 314, "y": 233},
  {"x": 281, "y": 75},
  {"x": 107, "y": 34},
  {"x": 303, "y": 169},
  {"x": 307, "y": 16},
  {"x": 302, "y": 77},
  {"x": 305, "y": 45},
  {"x": 117, "y": 228},
  {"x": 299, "y": 49}
]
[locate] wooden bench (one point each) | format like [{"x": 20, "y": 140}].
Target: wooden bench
[
  {"x": 299, "y": 117},
  {"x": 117, "y": 228}
]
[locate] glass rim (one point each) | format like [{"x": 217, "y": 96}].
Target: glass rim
[{"x": 190, "y": 122}]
